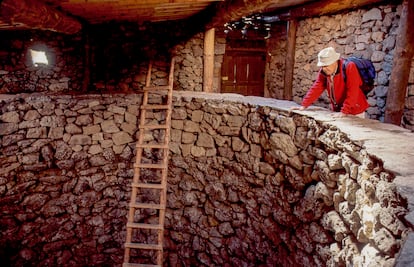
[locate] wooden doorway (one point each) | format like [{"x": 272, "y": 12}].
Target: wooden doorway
[{"x": 243, "y": 72}]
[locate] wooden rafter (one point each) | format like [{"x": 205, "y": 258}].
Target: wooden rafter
[
  {"x": 320, "y": 8},
  {"x": 235, "y": 10},
  {"x": 287, "y": 10},
  {"x": 36, "y": 15}
]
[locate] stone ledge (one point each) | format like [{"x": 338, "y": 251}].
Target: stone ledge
[
  {"x": 389, "y": 140},
  {"x": 406, "y": 258}
]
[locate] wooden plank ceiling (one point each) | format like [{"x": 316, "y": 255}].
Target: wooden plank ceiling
[
  {"x": 21, "y": 14},
  {"x": 52, "y": 14},
  {"x": 100, "y": 11},
  {"x": 68, "y": 16}
]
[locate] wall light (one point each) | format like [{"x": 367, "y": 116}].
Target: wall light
[{"x": 38, "y": 57}]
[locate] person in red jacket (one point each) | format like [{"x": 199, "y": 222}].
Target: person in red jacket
[{"x": 346, "y": 98}]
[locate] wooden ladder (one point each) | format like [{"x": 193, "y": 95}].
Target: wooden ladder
[{"x": 145, "y": 226}]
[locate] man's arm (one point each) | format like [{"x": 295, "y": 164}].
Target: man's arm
[{"x": 315, "y": 91}]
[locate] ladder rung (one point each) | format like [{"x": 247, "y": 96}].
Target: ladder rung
[
  {"x": 147, "y": 206},
  {"x": 153, "y": 126},
  {"x": 150, "y": 165},
  {"x": 139, "y": 265},
  {"x": 148, "y": 185},
  {"x": 145, "y": 226},
  {"x": 155, "y": 106},
  {"x": 143, "y": 246},
  {"x": 156, "y": 88},
  {"x": 152, "y": 145}
]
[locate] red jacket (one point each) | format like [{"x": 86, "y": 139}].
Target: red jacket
[{"x": 349, "y": 97}]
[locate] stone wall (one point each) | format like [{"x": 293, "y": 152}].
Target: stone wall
[
  {"x": 189, "y": 71},
  {"x": 189, "y": 67},
  {"x": 249, "y": 183},
  {"x": 119, "y": 56},
  {"x": 370, "y": 33},
  {"x": 66, "y": 166},
  {"x": 18, "y": 74},
  {"x": 275, "y": 67}
]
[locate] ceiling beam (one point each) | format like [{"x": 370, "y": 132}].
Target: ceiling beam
[
  {"x": 320, "y": 8},
  {"x": 37, "y": 15},
  {"x": 235, "y": 10}
]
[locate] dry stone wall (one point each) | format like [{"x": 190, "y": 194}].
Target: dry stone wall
[
  {"x": 189, "y": 59},
  {"x": 118, "y": 57},
  {"x": 18, "y": 74},
  {"x": 249, "y": 184},
  {"x": 370, "y": 33},
  {"x": 264, "y": 170},
  {"x": 66, "y": 166},
  {"x": 276, "y": 57}
]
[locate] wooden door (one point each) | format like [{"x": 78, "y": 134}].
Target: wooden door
[{"x": 243, "y": 73}]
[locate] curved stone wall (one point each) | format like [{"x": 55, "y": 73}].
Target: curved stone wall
[
  {"x": 249, "y": 184},
  {"x": 119, "y": 53}
]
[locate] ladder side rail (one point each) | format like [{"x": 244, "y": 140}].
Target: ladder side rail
[
  {"x": 148, "y": 77},
  {"x": 134, "y": 190},
  {"x": 163, "y": 196}
]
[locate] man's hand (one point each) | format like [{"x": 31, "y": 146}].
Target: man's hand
[
  {"x": 298, "y": 108},
  {"x": 338, "y": 115}
]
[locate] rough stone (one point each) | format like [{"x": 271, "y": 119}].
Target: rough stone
[
  {"x": 109, "y": 126},
  {"x": 80, "y": 140},
  {"x": 10, "y": 117},
  {"x": 284, "y": 143},
  {"x": 121, "y": 138}
]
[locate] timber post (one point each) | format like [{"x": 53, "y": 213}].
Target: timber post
[
  {"x": 290, "y": 59},
  {"x": 208, "y": 60},
  {"x": 404, "y": 51}
]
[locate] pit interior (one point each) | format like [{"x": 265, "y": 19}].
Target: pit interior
[{"x": 250, "y": 182}]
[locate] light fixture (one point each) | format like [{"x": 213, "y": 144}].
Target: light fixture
[
  {"x": 38, "y": 57},
  {"x": 259, "y": 23}
]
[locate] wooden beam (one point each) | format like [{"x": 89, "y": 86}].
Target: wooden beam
[
  {"x": 403, "y": 55},
  {"x": 235, "y": 10},
  {"x": 37, "y": 15},
  {"x": 319, "y": 8},
  {"x": 208, "y": 60},
  {"x": 290, "y": 58}
]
